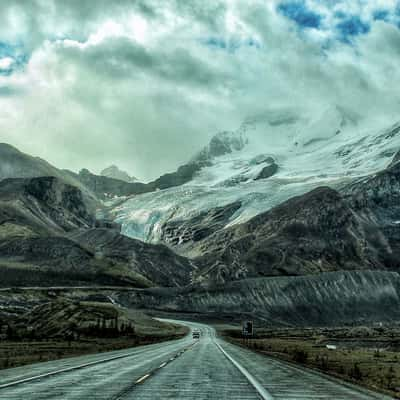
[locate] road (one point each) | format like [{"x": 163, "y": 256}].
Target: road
[{"x": 209, "y": 368}]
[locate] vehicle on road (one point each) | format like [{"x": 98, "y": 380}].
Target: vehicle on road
[{"x": 196, "y": 334}]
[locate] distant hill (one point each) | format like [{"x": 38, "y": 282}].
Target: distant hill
[{"x": 16, "y": 164}]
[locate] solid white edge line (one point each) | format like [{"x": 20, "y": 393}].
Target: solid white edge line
[
  {"x": 142, "y": 378},
  {"x": 253, "y": 381}
]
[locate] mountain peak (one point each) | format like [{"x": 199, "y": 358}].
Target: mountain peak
[{"x": 114, "y": 172}]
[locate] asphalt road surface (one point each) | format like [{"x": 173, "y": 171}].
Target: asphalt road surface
[{"x": 208, "y": 368}]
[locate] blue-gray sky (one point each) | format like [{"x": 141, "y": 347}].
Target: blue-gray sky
[{"x": 144, "y": 83}]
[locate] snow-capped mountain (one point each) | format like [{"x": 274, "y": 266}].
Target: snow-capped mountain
[{"x": 272, "y": 157}]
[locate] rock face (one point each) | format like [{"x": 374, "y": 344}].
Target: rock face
[
  {"x": 114, "y": 172},
  {"x": 267, "y": 171},
  {"x": 327, "y": 299},
  {"x": 183, "y": 235},
  {"x": 221, "y": 144}
]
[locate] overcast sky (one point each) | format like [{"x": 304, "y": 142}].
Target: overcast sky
[{"x": 144, "y": 84}]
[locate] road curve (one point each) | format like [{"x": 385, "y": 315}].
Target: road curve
[{"x": 209, "y": 368}]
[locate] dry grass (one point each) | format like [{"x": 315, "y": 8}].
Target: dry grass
[{"x": 375, "y": 369}]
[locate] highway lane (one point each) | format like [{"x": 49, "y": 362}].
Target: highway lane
[{"x": 209, "y": 368}]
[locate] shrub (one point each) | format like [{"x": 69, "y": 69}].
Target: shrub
[
  {"x": 355, "y": 372},
  {"x": 300, "y": 356}
]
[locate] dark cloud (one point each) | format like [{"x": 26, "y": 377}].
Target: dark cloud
[{"x": 120, "y": 58}]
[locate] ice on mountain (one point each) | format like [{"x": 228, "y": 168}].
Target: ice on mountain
[{"x": 234, "y": 159}]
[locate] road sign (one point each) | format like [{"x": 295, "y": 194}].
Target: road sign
[{"x": 248, "y": 328}]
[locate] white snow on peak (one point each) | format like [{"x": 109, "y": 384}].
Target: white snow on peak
[{"x": 310, "y": 151}]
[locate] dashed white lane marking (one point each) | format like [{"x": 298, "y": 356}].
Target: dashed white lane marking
[
  {"x": 143, "y": 378},
  {"x": 121, "y": 395},
  {"x": 73, "y": 368},
  {"x": 253, "y": 381}
]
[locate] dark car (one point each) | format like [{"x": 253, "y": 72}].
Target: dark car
[{"x": 196, "y": 335}]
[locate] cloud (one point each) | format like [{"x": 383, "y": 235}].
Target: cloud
[{"x": 145, "y": 84}]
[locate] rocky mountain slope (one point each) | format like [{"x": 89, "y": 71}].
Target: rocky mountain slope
[
  {"x": 322, "y": 230},
  {"x": 156, "y": 262},
  {"x": 43, "y": 205},
  {"x": 312, "y": 233},
  {"x": 37, "y": 219}
]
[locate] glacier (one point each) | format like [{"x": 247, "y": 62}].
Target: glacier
[{"x": 331, "y": 149}]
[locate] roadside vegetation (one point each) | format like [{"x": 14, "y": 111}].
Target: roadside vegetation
[
  {"x": 65, "y": 328},
  {"x": 369, "y": 357}
]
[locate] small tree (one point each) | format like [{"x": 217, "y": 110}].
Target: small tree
[{"x": 300, "y": 356}]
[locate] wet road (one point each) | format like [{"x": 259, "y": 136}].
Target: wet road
[{"x": 209, "y": 368}]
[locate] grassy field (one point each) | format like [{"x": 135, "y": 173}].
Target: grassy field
[{"x": 371, "y": 360}]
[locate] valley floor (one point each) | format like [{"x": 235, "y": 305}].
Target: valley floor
[{"x": 207, "y": 368}]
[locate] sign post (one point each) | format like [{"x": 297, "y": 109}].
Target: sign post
[{"x": 248, "y": 329}]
